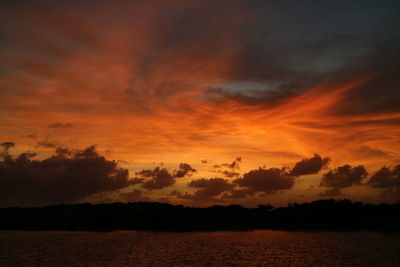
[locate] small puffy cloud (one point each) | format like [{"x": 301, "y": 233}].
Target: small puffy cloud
[
  {"x": 389, "y": 180},
  {"x": 342, "y": 177},
  {"x": 159, "y": 178},
  {"x": 309, "y": 165},
  {"x": 60, "y": 125},
  {"x": 208, "y": 189},
  {"x": 266, "y": 180},
  {"x": 233, "y": 165},
  {"x": 66, "y": 176},
  {"x": 231, "y": 169},
  {"x": 184, "y": 170},
  {"x": 385, "y": 178}
]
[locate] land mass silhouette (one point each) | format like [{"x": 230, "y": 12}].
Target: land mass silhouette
[{"x": 332, "y": 215}]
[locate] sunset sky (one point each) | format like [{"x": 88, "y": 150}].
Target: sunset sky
[{"x": 199, "y": 102}]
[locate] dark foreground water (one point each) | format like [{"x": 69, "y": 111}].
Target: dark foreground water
[{"x": 254, "y": 248}]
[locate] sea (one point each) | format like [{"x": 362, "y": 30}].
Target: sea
[{"x": 221, "y": 248}]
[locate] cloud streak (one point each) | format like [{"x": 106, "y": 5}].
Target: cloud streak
[{"x": 58, "y": 125}]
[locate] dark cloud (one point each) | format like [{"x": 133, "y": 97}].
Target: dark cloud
[
  {"x": 342, "y": 177},
  {"x": 268, "y": 67},
  {"x": 253, "y": 97},
  {"x": 184, "y": 170},
  {"x": 7, "y": 145},
  {"x": 137, "y": 180},
  {"x": 231, "y": 169},
  {"x": 269, "y": 50},
  {"x": 380, "y": 95},
  {"x": 230, "y": 174},
  {"x": 309, "y": 165},
  {"x": 385, "y": 178},
  {"x": 135, "y": 195},
  {"x": 233, "y": 165},
  {"x": 159, "y": 178},
  {"x": 67, "y": 176},
  {"x": 176, "y": 48},
  {"x": 388, "y": 180},
  {"x": 260, "y": 180},
  {"x": 208, "y": 189},
  {"x": 60, "y": 125},
  {"x": 266, "y": 180}
]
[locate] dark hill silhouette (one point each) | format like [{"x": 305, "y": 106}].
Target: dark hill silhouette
[{"x": 317, "y": 215}]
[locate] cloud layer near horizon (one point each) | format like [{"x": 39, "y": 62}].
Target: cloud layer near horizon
[{"x": 70, "y": 176}]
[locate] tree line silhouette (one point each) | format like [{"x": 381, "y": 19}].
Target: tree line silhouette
[{"x": 317, "y": 215}]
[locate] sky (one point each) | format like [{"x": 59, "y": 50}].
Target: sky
[{"x": 199, "y": 102}]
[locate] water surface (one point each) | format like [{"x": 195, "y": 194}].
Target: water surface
[{"x": 253, "y": 248}]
